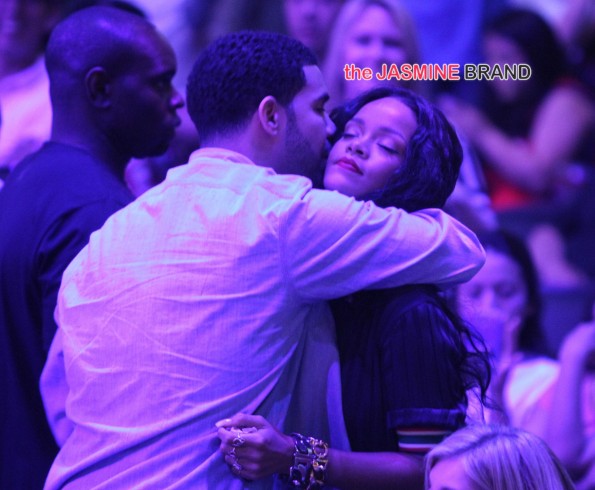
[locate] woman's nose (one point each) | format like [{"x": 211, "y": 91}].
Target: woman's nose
[
  {"x": 488, "y": 301},
  {"x": 358, "y": 146}
]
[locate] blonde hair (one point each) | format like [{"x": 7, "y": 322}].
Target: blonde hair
[
  {"x": 502, "y": 458},
  {"x": 351, "y": 11}
]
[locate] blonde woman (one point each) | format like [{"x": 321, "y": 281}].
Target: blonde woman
[
  {"x": 368, "y": 34},
  {"x": 489, "y": 457}
]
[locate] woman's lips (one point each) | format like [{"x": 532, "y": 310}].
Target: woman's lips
[{"x": 349, "y": 164}]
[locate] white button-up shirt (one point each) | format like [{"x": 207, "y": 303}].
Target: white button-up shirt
[{"x": 194, "y": 302}]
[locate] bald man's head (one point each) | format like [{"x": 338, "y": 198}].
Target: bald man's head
[
  {"x": 114, "y": 70},
  {"x": 95, "y": 36}
]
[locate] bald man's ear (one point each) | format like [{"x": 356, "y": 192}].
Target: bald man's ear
[
  {"x": 97, "y": 83},
  {"x": 270, "y": 115}
]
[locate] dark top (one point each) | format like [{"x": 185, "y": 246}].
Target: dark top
[
  {"x": 49, "y": 206},
  {"x": 398, "y": 368}
]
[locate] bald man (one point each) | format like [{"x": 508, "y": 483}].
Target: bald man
[{"x": 110, "y": 85}]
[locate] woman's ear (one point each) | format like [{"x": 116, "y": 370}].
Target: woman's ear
[{"x": 270, "y": 115}]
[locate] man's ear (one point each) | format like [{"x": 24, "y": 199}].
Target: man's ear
[
  {"x": 97, "y": 83},
  {"x": 270, "y": 115}
]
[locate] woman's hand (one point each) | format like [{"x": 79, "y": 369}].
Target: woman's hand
[{"x": 253, "y": 448}]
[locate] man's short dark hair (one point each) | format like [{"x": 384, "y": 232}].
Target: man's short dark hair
[{"x": 233, "y": 74}]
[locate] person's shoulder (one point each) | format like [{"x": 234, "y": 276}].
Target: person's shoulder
[
  {"x": 294, "y": 194},
  {"x": 332, "y": 204},
  {"x": 535, "y": 367},
  {"x": 569, "y": 91},
  {"x": 411, "y": 301},
  {"x": 61, "y": 177},
  {"x": 63, "y": 163},
  {"x": 291, "y": 187},
  {"x": 31, "y": 178},
  {"x": 412, "y": 295},
  {"x": 223, "y": 168},
  {"x": 414, "y": 315}
]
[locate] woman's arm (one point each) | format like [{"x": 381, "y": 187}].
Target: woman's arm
[
  {"x": 560, "y": 124},
  {"x": 266, "y": 451},
  {"x": 348, "y": 470},
  {"x": 417, "y": 372}
]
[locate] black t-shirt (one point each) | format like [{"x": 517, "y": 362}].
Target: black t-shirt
[
  {"x": 398, "y": 367},
  {"x": 49, "y": 206}
]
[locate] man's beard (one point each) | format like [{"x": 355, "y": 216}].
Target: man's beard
[{"x": 303, "y": 158}]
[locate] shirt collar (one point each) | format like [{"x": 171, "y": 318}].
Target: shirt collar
[{"x": 220, "y": 154}]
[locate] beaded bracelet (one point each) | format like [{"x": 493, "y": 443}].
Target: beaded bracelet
[{"x": 310, "y": 460}]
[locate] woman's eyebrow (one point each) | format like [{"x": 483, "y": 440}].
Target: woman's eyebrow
[
  {"x": 393, "y": 131},
  {"x": 355, "y": 120}
]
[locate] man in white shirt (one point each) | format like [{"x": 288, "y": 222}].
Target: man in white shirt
[{"x": 193, "y": 303}]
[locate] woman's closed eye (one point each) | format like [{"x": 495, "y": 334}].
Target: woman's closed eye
[
  {"x": 352, "y": 130},
  {"x": 390, "y": 147}
]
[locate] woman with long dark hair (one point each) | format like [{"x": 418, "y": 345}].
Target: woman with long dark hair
[{"x": 407, "y": 361}]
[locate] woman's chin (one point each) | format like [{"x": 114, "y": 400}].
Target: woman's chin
[{"x": 331, "y": 183}]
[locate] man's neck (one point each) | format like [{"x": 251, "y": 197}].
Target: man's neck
[{"x": 244, "y": 144}]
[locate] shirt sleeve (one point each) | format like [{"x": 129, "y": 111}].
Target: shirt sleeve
[
  {"x": 60, "y": 244},
  {"x": 420, "y": 376},
  {"x": 332, "y": 246},
  {"x": 54, "y": 391}
]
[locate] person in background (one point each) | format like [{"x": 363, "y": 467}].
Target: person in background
[
  {"x": 528, "y": 133},
  {"x": 450, "y": 33},
  {"x": 311, "y": 22},
  {"x": 372, "y": 33},
  {"x": 112, "y": 99},
  {"x": 367, "y": 33},
  {"x": 532, "y": 388},
  {"x": 503, "y": 302},
  {"x": 25, "y": 26},
  {"x": 518, "y": 128},
  {"x": 395, "y": 149},
  {"x": 494, "y": 457},
  {"x": 570, "y": 404}
]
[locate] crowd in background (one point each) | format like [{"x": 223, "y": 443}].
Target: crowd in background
[{"x": 526, "y": 184}]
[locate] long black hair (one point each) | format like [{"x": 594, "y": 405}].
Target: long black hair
[
  {"x": 548, "y": 61},
  {"x": 538, "y": 41},
  {"x": 427, "y": 177}
]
